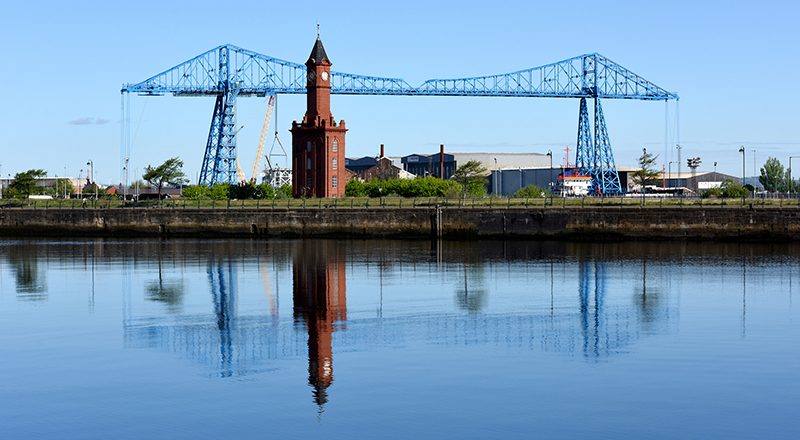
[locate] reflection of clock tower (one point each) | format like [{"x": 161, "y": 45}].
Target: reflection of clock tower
[{"x": 318, "y": 142}]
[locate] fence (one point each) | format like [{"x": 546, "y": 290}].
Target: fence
[{"x": 400, "y": 202}]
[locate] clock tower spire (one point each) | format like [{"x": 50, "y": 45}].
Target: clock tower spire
[{"x": 318, "y": 141}]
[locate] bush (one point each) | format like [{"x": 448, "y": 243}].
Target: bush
[
  {"x": 419, "y": 187},
  {"x": 530, "y": 192},
  {"x": 194, "y": 192},
  {"x": 284, "y": 192},
  {"x": 732, "y": 189}
]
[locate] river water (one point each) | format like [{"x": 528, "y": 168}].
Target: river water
[{"x": 397, "y": 339}]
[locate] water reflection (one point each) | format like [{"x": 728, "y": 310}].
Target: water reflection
[
  {"x": 217, "y": 303},
  {"x": 31, "y": 279},
  {"x": 320, "y": 305}
]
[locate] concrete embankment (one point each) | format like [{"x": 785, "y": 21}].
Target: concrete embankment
[{"x": 589, "y": 223}]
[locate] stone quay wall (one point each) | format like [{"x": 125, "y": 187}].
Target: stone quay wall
[{"x": 578, "y": 223}]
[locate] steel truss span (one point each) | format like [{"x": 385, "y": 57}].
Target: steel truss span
[{"x": 228, "y": 72}]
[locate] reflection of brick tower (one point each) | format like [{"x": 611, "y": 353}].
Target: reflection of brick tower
[
  {"x": 319, "y": 290},
  {"x": 317, "y": 142}
]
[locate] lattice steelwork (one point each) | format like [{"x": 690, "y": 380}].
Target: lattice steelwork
[
  {"x": 596, "y": 158},
  {"x": 228, "y": 72}
]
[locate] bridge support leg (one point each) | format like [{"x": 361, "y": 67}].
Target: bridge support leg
[
  {"x": 595, "y": 158},
  {"x": 219, "y": 163}
]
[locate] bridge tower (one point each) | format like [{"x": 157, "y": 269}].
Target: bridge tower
[
  {"x": 596, "y": 158},
  {"x": 318, "y": 141}
]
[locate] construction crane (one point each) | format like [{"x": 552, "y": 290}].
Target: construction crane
[{"x": 263, "y": 140}]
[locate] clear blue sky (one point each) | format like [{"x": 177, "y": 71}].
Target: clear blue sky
[{"x": 734, "y": 65}]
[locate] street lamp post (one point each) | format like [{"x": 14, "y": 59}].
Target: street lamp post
[
  {"x": 494, "y": 185},
  {"x": 552, "y": 187},
  {"x": 91, "y": 174},
  {"x": 669, "y": 169},
  {"x": 741, "y": 150},
  {"x": 125, "y": 184}
]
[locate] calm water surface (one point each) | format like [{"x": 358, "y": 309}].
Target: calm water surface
[{"x": 390, "y": 339}]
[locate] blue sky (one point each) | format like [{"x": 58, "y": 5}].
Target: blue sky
[{"x": 734, "y": 65}]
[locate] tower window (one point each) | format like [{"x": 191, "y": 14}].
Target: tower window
[
  {"x": 308, "y": 182},
  {"x": 334, "y": 181},
  {"x": 308, "y": 163},
  {"x": 335, "y": 146},
  {"x": 308, "y": 146},
  {"x": 333, "y": 165}
]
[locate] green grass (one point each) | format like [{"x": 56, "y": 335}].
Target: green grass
[{"x": 361, "y": 202}]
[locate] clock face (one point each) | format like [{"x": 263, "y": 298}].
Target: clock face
[
  {"x": 311, "y": 76},
  {"x": 324, "y": 76}
]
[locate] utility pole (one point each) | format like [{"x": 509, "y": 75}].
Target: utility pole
[
  {"x": 693, "y": 163},
  {"x": 91, "y": 174},
  {"x": 741, "y": 150},
  {"x": 715, "y": 172},
  {"x": 790, "y": 184},
  {"x": 679, "y": 166}
]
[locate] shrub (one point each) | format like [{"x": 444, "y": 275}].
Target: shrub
[{"x": 530, "y": 192}]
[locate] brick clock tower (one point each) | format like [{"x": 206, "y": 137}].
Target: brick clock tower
[{"x": 318, "y": 142}]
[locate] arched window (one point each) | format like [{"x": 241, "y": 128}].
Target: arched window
[
  {"x": 335, "y": 146},
  {"x": 308, "y": 146}
]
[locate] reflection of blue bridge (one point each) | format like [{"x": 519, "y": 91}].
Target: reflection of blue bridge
[
  {"x": 228, "y": 72},
  {"x": 232, "y": 345}
]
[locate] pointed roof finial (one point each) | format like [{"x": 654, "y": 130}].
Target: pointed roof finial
[{"x": 317, "y": 30}]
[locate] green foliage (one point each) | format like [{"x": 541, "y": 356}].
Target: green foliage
[
  {"x": 220, "y": 191},
  {"x": 470, "y": 177},
  {"x": 284, "y": 192},
  {"x": 12, "y": 193},
  {"x": 791, "y": 184},
  {"x": 194, "y": 192},
  {"x": 420, "y": 187},
  {"x": 24, "y": 184},
  {"x": 712, "y": 192},
  {"x": 138, "y": 184},
  {"x": 168, "y": 172},
  {"x": 59, "y": 187},
  {"x": 645, "y": 174},
  {"x": 731, "y": 189},
  {"x": 452, "y": 193},
  {"x": 531, "y": 192},
  {"x": 355, "y": 188},
  {"x": 773, "y": 176},
  {"x": 88, "y": 190}
]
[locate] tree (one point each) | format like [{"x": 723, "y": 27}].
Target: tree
[
  {"x": 25, "y": 183},
  {"x": 645, "y": 174},
  {"x": 89, "y": 190},
  {"x": 791, "y": 184},
  {"x": 168, "y": 172},
  {"x": 470, "y": 177},
  {"x": 773, "y": 176},
  {"x": 731, "y": 189}
]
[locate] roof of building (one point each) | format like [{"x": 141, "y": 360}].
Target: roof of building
[{"x": 318, "y": 54}]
